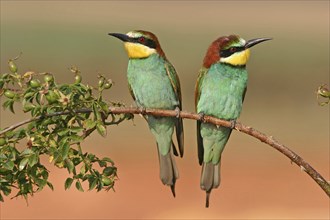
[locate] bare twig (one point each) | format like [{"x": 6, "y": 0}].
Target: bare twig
[
  {"x": 208, "y": 119},
  {"x": 27, "y": 121}
]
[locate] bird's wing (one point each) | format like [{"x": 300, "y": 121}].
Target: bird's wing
[
  {"x": 175, "y": 82},
  {"x": 199, "y": 82},
  {"x": 202, "y": 72},
  {"x": 131, "y": 91},
  {"x": 243, "y": 96},
  {"x": 200, "y": 147}
]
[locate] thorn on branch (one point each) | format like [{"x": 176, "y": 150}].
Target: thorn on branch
[
  {"x": 302, "y": 168},
  {"x": 319, "y": 179},
  {"x": 294, "y": 158}
]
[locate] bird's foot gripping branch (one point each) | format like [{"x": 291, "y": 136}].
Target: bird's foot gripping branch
[{"x": 62, "y": 116}]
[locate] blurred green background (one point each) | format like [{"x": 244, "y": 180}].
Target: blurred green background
[{"x": 257, "y": 181}]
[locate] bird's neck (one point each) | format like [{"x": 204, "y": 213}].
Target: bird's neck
[{"x": 149, "y": 62}]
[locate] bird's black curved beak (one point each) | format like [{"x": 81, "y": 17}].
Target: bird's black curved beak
[
  {"x": 252, "y": 42},
  {"x": 122, "y": 37}
]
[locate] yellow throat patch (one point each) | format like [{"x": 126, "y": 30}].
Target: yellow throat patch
[
  {"x": 135, "y": 50},
  {"x": 237, "y": 59}
]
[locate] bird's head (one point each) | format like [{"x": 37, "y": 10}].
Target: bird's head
[
  {"x": 231, "y": 50},
  {"x": 140, "y": 44}
]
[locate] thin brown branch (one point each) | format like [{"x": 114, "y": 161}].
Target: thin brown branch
[
  {"x": 269, "y": 140},
  {"x": 242, "y": 128}
]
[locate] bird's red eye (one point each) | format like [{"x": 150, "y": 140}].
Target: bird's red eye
[
  {"x": 233, "y": 49},
  {"x": 141, "y": 39}
]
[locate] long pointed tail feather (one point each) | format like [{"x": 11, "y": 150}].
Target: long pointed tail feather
[
  {"x": 210, "y": 179},
  {"x": 168, "y": 170},
  {"x": 175, "y": 152},
  {"x": 180, "y": 135},
  {"x": 207, "y": 203}
]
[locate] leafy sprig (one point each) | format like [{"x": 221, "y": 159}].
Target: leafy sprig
[{"x": 65, "y": 114}]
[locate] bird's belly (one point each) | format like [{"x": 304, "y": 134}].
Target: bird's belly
[
  {"x": 225, "y": 108},
  {"x": 155, "y": 97}
]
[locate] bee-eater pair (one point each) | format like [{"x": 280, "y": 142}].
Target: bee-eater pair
[{"x": 220, "y": 90}]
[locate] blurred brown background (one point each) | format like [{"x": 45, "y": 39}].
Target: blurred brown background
[{"x": 257, "y": 181}]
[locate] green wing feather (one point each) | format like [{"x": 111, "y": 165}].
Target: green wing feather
[
  {"x": 174, "y": 79},
  {"x": 131, "y": 91},
  {"x": 175, "y": 82},
  {"x": 200, "y": 148},
  {"x": 202, "y": 72}
]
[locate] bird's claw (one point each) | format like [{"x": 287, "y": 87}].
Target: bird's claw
[
  {"x": 232, "y": 124},
  {"x": 142, "y": 110},
  {"x": 201, "y": 117},
  {"x": 177, "y": 111}
]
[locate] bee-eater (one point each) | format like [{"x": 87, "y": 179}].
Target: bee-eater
[
  {"x": 219, "y": 92},
  {"x": 154, "y": 83}
]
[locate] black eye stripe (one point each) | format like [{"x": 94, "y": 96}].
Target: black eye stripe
[
  {"x": 228, "y": 52},
  {"x": 147, "y": 42}
]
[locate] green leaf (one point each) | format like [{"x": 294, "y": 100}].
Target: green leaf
[
  {"x": 9, "y": 165},
  {"x": 27, "y": 151},
  {"x": 28, "y": 107},
  {"x": 109, "y": 171},
  {"x": 79, "y": 187},
  {"x": 89, "y": 124},
  {"x": 83, "y": 169},
  {"x": 6, "y": 190},
  {"x": 63, "y": 132},
  {"x": 102, "y": 163},
  {"x": 97, "y": 114},
  {"x": 106, "y": 181},
  {"x": 91, "y": 157},
  {"x": 33, "y": 159},
  {"x": 11, "y": 107},
  {"x": 65, "y": 150},
  {"x": 40, "y": 182},
  {"x": 9, "y": 104},
  {"x": 76, "y": 138},
  {"x": 101, "y": 129},
  {"x": 92, "y": 183},
  {"x": 50, "y": 185},
  {"x": 44, "y": 173},
  {"x": 28, "y": 95},
  {"x": 4, "y": 76},
  {"x": 104, "y": 107},
  {"x": 1, "y": 198},
  {"x": 23, "y": 163},
  {"x": 76, "y": 129},
  {"x": 35, "y": 111},
  {"x": 69, "y": 165},
  {"x": 68, "y": 183},
  {"x": 107, "y": 159},
  {"x": 38, "y": 98}
]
